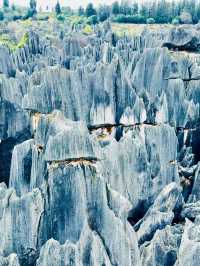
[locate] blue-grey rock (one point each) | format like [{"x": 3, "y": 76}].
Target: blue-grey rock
[
  {"x": 163, "y": 248},
  {"x": 183, "y": 38},
  {"x": 99, "y": 138},
  {"x": 189, "y": 251},
  {"x": 90, "y": 191},
  {"x": 20, "y": 172},
  {"x": 160, "y": 213},
  {"x": 141, "y": 160},
  {"x": 19, "y": 221},
  {"x": 11, "y": 260}
]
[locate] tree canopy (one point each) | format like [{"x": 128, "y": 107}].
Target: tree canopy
[
  {"x": 5, "y": 3},
  {"x": 58, "y": 8},
  {"x": 90, "y": 10}
]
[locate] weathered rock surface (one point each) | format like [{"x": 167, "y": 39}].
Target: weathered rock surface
[
  {"x": 163, "y": 248},
  {"x": 99, "y": 148},
  {"x": 189, "y": 251},
  {"x": 160, "y": 214}
]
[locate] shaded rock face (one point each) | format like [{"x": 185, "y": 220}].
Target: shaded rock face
[
  {"x": 183, "y": 39},
  {"x": 99, "y": 157}
]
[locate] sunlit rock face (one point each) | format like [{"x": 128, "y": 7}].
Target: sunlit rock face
[{"x": 99, "y": 157}]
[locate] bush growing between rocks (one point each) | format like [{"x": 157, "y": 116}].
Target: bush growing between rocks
[
  {"x": 1, "y": 15},
  {"x": 30, "y": 13},
  {"x": 6, "y": 41},
  {"x": 60, "y": 18},
  {"x": 76, "y": 20},
  {"x": 23, "y": 41},
  {"x": 87, "y": 30},
  {"x": 175, "y": 21},
  {"x": 17, "y": 17},
  {"x": 151, "y": 21},
  {"x": 42, "y": 17},
  {"x": 93, "y": 20},
  {"x": 12, "y": 45},
  {"x": 137, "y": 19}
]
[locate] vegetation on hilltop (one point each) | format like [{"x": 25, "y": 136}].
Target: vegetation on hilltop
[
  {"x": 13, "y": 44},
  {"x": 150, "y": 12}
]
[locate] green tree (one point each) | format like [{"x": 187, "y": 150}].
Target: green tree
[
  {"x": 1, "y": 15},
  {"x": 60, "y": 18},
  {"x": 115, "y": 8},
  {"x": 13, "y": 7},
  {"x": 135, "y": 8},
  {"x": 57, "y": 8},
  {"x": 32, "y": 11},
  {"x": 163, "y": 12},
  {"x": 33, "y": 4},
  {"x": 103, "y": 13},
  {"x": 5, "y": 3},
  {"x": 144, "y": 11},
  {"x": 125, "y": 8},
  {"x": 175, "y": 9},
  {"x": 81, "y": 11},
  {"x": 90, "y": 10},
  {"x": 152, "y": 9},
  {"x": 190, "y": 7},
  {"x": 93, "y": 20},
  {"x": 175, "y": 21}
]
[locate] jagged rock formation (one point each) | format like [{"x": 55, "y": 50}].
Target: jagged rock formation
[{"x": 99, "y": 157}]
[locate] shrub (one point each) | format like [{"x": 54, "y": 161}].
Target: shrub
[
  {"x": 5, "y": 3},
  {"x": 87, "y": 30},
  {"x": 115, "y": 8},
  {"x": 103, "y": 13},
  {"x": 42, "y": 17},
  {"x": 30, "y": 13},
  {"x": 1, "y": 15},
  {"x": 17, "y": 17},
  {"x": 137, "y": 19},
  {"x": 120, "y": 19},
  {"x": 90, "y": 10},
  {"x": 6, "y": 41},
  {"x": 60, "y": 18},
  {"x": 93, "y": 20},
  {"x": 151, "y": 21},
  {"x": 175, "y": 21},
  {"x": 23, "y": 41},
  {"x": 81, "y": 11},
  {"x": 76, "y": 20}
]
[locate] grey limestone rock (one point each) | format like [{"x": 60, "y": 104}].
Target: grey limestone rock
[
  {"x": 99, "y": 147},
  {"x": 19, "y": 221},
  {"x": 163, "y": 248},
  {"x": 189, "y": 252},
  {"x": 11, "y": 260},
  {"x": 160, "y": 213},
  {"x": 182, "y": 38}
]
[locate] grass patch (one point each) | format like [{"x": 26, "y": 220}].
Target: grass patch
[
  {"x": 5, "y": 40},
  {"x": 136, "y": 29},
  {"x": 23, "y": 41},
  {"x": 87, "y": 30}
]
